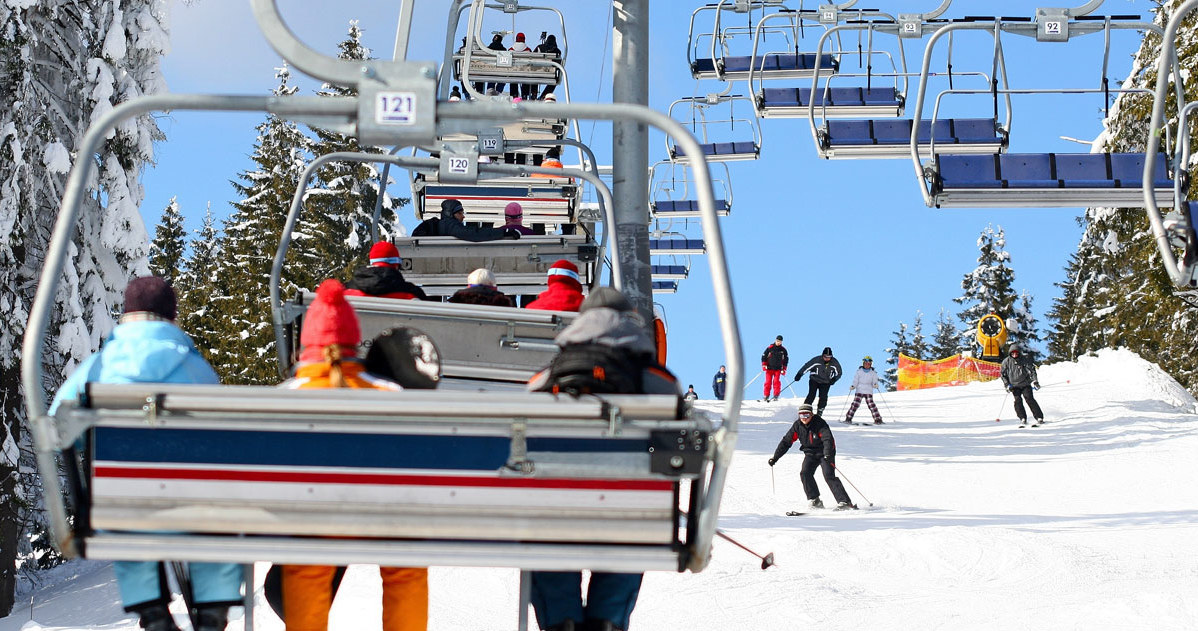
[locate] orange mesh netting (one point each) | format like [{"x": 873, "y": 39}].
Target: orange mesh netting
[{"x": 914, "y": 374}]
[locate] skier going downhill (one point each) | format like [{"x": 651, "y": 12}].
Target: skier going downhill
[
  {"x": 822, "y": 371},
  {"x": 864, "y": 383},
  {"x": 819, "y": 450},
  {"x": 1019, "y": 377},
  {"x": 773, "y": 362}
]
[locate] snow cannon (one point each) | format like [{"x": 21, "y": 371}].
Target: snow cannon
[{"x": 992, "y": 335}]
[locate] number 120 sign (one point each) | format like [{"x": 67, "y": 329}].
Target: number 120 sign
[{"x": 395, "y": 108}]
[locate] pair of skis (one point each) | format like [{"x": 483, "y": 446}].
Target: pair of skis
[{"x": 795, "y": 513}]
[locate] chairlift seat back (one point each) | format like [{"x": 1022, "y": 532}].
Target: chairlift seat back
[
  {"x": 484, "y": 68},
  {"x": 440, "y": 265},
  {"x": 686, "y": 207}
]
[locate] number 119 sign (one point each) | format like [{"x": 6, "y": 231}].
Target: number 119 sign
[{"x": 395, "y": 108}]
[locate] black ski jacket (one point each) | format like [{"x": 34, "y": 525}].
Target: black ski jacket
[
  {"x": 385, "y": 281},
  {"x": 814, "y": 438},
  {"x": 821, "y": 371},
  {"x": 1018, "y": 372},
  {"x": 451, "y": 227},
  {"x": 775, "y": 357}
]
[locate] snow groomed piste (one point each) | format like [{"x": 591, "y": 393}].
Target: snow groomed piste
[{"x": 538, "y": 487}]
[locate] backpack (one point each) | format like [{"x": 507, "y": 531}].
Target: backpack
[
  {"x": 596, "y": 369},
  {"x": 427, "y": 228}
]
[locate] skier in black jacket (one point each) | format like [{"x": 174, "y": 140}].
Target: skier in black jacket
[
  {"x": 774, "y": 361},
  {"x": 1019, "y": 376},
  {"x": 819, "y": 449},
  {"x": 382, "y": 277},
  {"x": 823, "y": 370}
]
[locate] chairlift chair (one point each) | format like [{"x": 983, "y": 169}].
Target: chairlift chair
[
  {"x": 671, "y": 193},
  {"x": 414, "y": 478},
  {"x": 665, "y": 287},
  {"x": 741, "y": 136},
  {"x": 711, "y": 60},
  {"x": 992, "y": 180}
]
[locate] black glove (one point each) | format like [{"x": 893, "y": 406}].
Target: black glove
[
  {"x": 772, "y": 461},
  {"x": 831, "y": 462},
  {"x": 1035, "y": 385},
  {"x": 511, "y": 234}
]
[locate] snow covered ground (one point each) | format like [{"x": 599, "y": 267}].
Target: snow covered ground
[{"x": 1089, "y": 522}]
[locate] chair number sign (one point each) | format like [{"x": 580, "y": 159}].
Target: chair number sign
[
  {"x": 490, "y": 144},
  {"x": 909, "y": 27},
  {"x": 395, "y": 108},
  {"x": 1052, "y": 28},
  {"x": 458, "y": 166},
  {"x": 829, "y": 16},
  {"x": 503, "y": 59}
]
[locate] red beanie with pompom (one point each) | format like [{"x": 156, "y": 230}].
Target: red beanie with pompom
[
  {"x": 566, "y": 272},
  {"x": 330, "y": 319},
  {"x": 384, "y": 253}
]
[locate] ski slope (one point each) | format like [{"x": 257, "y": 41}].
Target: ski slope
[{"x": 1089, "y": 522}]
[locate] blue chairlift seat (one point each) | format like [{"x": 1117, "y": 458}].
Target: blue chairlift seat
[
  {"x": 665, "y": 286},
  {"x": 769, "y": 66},
  {"x": 722, "y": 151},
  {"x": 1046, "y": 180},
  {"x": 834, "y": 103},
  {"x": 891, "y": 138},
  {"x": 669, "y": 272},
  {"x": 675, "y": 245},
  {"x": 686, "y": 208}
]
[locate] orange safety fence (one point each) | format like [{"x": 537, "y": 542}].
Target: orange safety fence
[{"x": 914, "y": 374}]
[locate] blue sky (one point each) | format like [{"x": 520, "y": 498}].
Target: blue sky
[{"x": 826, "y": 253}]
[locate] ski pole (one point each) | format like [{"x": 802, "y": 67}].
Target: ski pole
[
  {"x": 844, "y": 406},
  {"x": 752, "y": 380},
  {"x": 1000, "y": 407},
  {"x": 888, "y": 412},
  {"x": 846, "y": 479},
  {"x": 773, "y": 489},
  {"x": 766, "y": 560}
]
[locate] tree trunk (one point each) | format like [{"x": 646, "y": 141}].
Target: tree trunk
[{"x": 11, "y": 413}]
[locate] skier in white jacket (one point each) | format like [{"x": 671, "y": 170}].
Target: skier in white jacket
[{"x": 864, "y": 383}]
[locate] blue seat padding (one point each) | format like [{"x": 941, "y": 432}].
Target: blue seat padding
[
  {"x": 893, "y": 131},
  {"x": 782, "y": 97},
  {"x": 943, "y": 128},
  {"x": 1084, "y": 170},
  {"x": 806, "y": 61},
  {"x": 785, "y": 61},
  {"x": 975, "y": 130},
  {"x": 738, "y": 64},
  {"x": 1027, "y": 170},
  {"x": 744, "y": 147},
  {"x": 968, "y": 171},
  {"x": 724, "y": 148},
  {"x": 849, "y": 132},
  {"x": 666, "y": 285},
  {"x": 693, "y": 244},
  {"x": 703, "y": 65},
  {"x": 1191, "y": 209},
  {"x": 1128, "y": 171},
  {"x": 846, "y": 96},
  {"x": 880, "y": 96}
]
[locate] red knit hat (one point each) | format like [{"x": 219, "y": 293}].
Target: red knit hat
[
  {"x": 384, "y": 253},
  {"x": 330, "y": 319},
  {"x": 519, "y": 37},
  {"x": 564, "y": 271}
]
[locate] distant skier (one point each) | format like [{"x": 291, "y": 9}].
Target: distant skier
[
  {"x": 819, "y": 450},
  {"x": 1019, "y": 377},
  {"x": 864, "y": 382},
  {"x": 774, "y": 361},
  {"x": 690, "y": 394},
  {"x": 822, "y": 371},
  {"x": 719, "y": 383}
]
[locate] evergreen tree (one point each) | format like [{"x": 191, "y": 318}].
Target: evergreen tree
[
  {"x": 196, "y": 284},
  {"x": 899, "y": 345},
  {"x": 334, "y": 231},
  {"x": 245, "y": 352},
  {"x": 1026, "y": 335},
  {"x": 1115, "y": 291},
  {"x": 63, "y": 64},
  {"x": 167, "y": 248},
  {"x": 947, "y": 340},
  {"x": 989, "y": 287},
  {"x": 918, "y": 348}
]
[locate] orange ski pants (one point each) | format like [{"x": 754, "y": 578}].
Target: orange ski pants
[{"x": 307, "y": 597}]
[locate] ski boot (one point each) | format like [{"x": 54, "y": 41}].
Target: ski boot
[
  {"x": 815, "y": 503},
  {"x": 846, "y": 421},
  {"x": 1022, "y": 423},
  {"x": 1038, "y": 422},
  {"x": 212, "y": 618},
  {"x": 879, "y": 422},
  {"x": 820, "y": 412},
  {"x": 845, "y": 506},
  {"x": 157, "y": 618}
]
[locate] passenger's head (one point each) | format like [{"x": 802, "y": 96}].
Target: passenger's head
[
  {"x": 498, "y": 39},
  {"x": 453, "y": 209},
  {"x": 805, "y": 413},
  {"x": 827, "y": 352},
  {"x": 565, "y": 273},
  {"x": 481, "y": 277},
  {"x": 605, "y": 297},
  {"x": 406, "y": 356},
  {"x": 551, "y": 41},
  {"x": 330, "y": 330},
  {"x": 384, "y": 254},
  {"x": 554, "y": 153},
  {"x": 513, "y": 214},
  {"x": 150, "y": 294},
  {"x": 519, "y": 37}
]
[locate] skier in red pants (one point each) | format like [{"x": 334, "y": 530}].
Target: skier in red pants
[{"x": 773, "y": 362}]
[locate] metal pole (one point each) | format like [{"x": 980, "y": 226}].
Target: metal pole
[
  {"x": 404, "y": 30},
  {"x": 630, "y": 152}
]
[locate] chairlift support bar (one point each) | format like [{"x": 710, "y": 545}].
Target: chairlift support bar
[
  {"x": 998, "y": 26},
  {"x": 413, "y": 163},
  {"x": 1183, "y": 273}
]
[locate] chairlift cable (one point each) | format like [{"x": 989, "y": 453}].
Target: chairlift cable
[
  {"x": 602, "y": 66},
  {"x": 1106, "y": 56},
  {"x": 998, "y": 52},
  {"x": 950, "y": 59}
]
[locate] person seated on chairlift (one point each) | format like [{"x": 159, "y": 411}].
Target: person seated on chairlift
[
  {"x": 493, "y": 88},
  {"x": 481, "y": 290},
  {"x": 565, "y": 289},
  {"x": 453, "y": 224},
  {"x": 548, "y": 45},
  {"x": 521, "y": 90},
  {"x": 513, "y": 215},
  {"x": 382, "y": 277},
  {"x": 552, "y": 160},
  {"x": 330, "y": 339}
]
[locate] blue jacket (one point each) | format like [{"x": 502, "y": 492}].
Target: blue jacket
[{"x": 140, "y": 352}]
